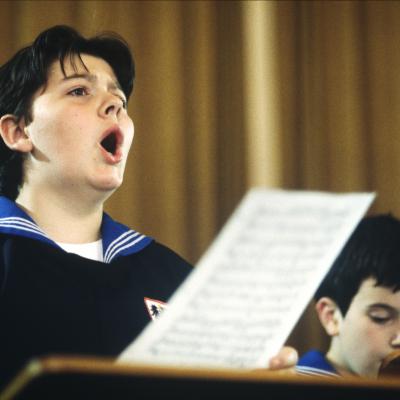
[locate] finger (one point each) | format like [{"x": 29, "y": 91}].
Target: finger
[{"x": 286, "y": 358}]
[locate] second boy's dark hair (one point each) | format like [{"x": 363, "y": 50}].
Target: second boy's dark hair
[
  {"x": 27, "y": 71},
  {"x": 373, "y": 251}
]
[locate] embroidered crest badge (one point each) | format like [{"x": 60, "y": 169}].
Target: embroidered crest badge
[{"x": 154, "y": 307}]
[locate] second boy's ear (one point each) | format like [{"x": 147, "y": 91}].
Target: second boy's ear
[
  {"x": 14, "y": 134},
  {"x": 329, "y": 315}
]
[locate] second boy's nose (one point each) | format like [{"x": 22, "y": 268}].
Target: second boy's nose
[{"x": 395, "y": 341}]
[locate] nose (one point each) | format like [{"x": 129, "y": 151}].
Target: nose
[
  {"x": 111, "y": 106},
  {"x": 395, "y": 341}
]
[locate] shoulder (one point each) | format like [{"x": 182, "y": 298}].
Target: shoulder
[
  {"x": 162, "y": 257},
  {"x": 4, "y": 256},
  {"x": 314, "y": 363},
  {"x": 158, "y": 268}
]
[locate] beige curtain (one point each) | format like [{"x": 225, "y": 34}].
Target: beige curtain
[{"x": 229, "y": 95}]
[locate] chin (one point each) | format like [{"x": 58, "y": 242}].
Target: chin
[{"x": 109, "y": 184}]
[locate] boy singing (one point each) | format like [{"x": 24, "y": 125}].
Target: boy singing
[{"x": 72, "y": 280}]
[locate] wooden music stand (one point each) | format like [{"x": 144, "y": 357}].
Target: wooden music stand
[{"x": 94, "y": 378}]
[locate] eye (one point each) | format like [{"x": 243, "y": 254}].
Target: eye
[
  {"x": 79, "y": 91},
  {"x": 379, "y": 320},
  {"x": 380, "y": 317}
]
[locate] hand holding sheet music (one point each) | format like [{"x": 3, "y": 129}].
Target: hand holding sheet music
[{"x": 240, "y": 303}]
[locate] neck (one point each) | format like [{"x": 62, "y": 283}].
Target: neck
[
  {"x": 334, "y": 358},
  {"x": 63, "y": 219}
]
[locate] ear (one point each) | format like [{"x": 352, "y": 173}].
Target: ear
[
  {"x": 14, "y": 133},
  {"x": 329, "y": 315}
]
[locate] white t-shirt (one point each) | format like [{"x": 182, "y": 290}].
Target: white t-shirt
[{"x": 93, "y": 250}]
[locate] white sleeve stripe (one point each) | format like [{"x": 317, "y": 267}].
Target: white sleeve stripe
[{"x": 315, "y": 371}]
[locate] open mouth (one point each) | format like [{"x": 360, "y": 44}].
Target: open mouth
[{"x": 109, "y": 143}]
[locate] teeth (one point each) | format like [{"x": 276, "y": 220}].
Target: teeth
[{"x": 110, "y": 143}]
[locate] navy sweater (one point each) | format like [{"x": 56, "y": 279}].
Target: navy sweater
[{"x": 54, "y": 302}]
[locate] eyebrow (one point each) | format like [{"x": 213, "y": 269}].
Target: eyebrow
[{"x": 114, "y": 85}]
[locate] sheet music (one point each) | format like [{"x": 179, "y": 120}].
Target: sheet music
[{"x": 238, "y": 306}]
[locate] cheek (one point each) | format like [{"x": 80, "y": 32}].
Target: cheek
[
  {"x": 129, "y": 130},
  {"x": 369, "y": 338},
  {"x": 128, "y": 143},
  {"x": 378, "y": 338},
  {"x": 41, "y": 135},
  {"x": 60, "y": 135}
]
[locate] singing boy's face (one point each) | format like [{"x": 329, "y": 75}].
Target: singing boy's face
[
  {"x": 369, "y": 331},
  {"x": 80, "y": 130}
]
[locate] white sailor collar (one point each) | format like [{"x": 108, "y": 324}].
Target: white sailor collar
[{"x": 118, "y": 239}]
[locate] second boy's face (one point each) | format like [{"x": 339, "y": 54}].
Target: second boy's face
[
  {"x": 80, "y": 130},
  {"x": 370, "y": 330}
]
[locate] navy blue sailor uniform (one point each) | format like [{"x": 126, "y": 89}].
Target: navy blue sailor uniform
[{"x": 54, "y": 302}]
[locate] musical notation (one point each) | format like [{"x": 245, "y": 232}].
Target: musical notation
[{"x": 238, "y": 306}]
